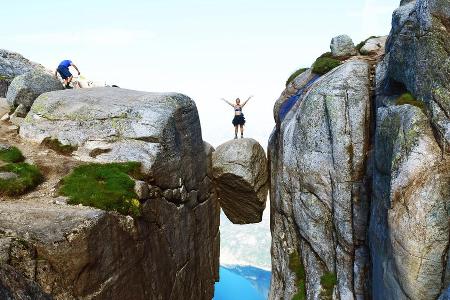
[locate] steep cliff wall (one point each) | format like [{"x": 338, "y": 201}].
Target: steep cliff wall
[
  {"x": 409, "y": 223},
  {"x": 360, "y": 172},
  {"x": 170, "y": 251},
  {"x": 318, "y": 195}
]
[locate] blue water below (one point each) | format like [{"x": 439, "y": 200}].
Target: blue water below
[
  {"x": 290, "y": 102},
  {"x": 242, "y": 283}
]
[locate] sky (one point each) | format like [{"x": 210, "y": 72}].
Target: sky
[{"x": 206, "y": 49}]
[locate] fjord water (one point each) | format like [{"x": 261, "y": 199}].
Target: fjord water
[
  {"x": 245, "y": 260},
  {"x": 242, "y": 282}
]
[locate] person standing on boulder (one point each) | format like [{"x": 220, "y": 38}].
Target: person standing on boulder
[
  {"x": 238, "y": 120},
  {"x": 63, "y": 70}
]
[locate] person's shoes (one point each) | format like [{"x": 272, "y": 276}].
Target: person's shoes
[
  {"x": 68, "y": 87},
  {"x": 235, "y": 137},
  {"x": 242, "y": 136}
]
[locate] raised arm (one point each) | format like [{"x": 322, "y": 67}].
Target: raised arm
[
  {"x": 243, "y": 104},
  {"x": 73, "y": 65},
  {"x": 229, "y": 103}
]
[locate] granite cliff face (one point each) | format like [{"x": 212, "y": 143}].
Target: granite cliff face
[
  {"x": 409, "y": 222},
  {"x": 360, "y": 172},
  {"x": 49, "y": 249},
  {"x": 318, "y": 195}
]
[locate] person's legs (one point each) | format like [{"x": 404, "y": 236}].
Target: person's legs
[
  {"x": 69, "y": 80},
  {"x": 235, "y": 131},
  {"x": 242, "y": 131}
]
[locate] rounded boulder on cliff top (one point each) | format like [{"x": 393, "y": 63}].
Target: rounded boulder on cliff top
[
  {"x": 342, "y": 45},
  {"x": 24, "y": 89},
  {"x": 240, "y": 171}
]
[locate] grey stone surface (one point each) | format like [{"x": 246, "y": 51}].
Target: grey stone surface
[
  {"x": 11, "y": 65},
  {"x": 418, "y": 59},
  {"x": 141, "y": 189},
  {"x": 342, "y": 45},
  {"x": 240, "y": 174},
  {"x": 24, "y": 89},
  {"x": 84, "y": 253},
  {"x": 14, "y": 285},
  {"x": 445, "y": 294},
  {"x": 20, "y": 112},
  {"x": 319, "y": 203},
  {"x": 161, "y": 131},
  {"x": 73, "y": 252},
  {"x": 374, "y": 45},
  {"x": 409, "y": 229}
]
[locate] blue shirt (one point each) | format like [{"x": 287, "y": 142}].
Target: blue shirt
[{"x": 65, "y": 63}]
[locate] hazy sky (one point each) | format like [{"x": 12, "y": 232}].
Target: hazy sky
[{"x": 207, "y": 49}]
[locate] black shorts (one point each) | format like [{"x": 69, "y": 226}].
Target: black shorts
[
  {"x": 64, "y": 72},
  {"x": 239, "y": 120}
]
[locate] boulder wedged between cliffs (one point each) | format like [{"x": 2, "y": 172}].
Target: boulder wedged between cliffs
[{"x": 240, "y": 172}]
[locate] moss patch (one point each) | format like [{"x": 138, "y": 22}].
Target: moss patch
[
  {"x": 3, "y": 77},
  {"x": 296, "y": 266},
  {"x": 104, "y": 186},
  {"x": 408, "y": 98},
  {"x": 11, "y": 155},
  {"x": 56, "y": 145},
  {"x": 327, "y": 281},
  {"x": 29, "y": 178},
  {"x": 295, "y": 74},
  {"x": 324, "y": 64}
]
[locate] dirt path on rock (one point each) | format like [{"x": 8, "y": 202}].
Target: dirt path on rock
[{"x": 52, "y": 165}]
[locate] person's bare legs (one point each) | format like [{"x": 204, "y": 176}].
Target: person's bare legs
[
  {"x": 69, "y": 80},
  {"x": 235, "y": 131},
  {"x": 242, "y": 131}
]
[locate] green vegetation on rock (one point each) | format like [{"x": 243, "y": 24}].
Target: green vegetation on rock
[
  {"x": 57, "y": 146},
  {"x": 408, "y": 98},
  {"x": 28, "y": 178},
  {"x": 327, "y": 281},
  {"x": 11, "y": 155},
  {"x": 295, "y": 74},
  {"x": 324, "y": 64},
  {"x": 296, "y": 266},
  {"x": 104, "y": 186},
  {"x": 3, "y": 77}
]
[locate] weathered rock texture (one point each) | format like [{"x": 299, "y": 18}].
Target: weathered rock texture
[
  {"x": 418, "y": 59},
  {"x": 374, "y": 45},
  {"x": 343, "y": 155},
  {"x": 24, "y": 89},
  {"x": 342, "y": 46},
  {"x": 319, "y": 202},
  {"x": 409, "y": 227},
  {"x": 170, "y": 252},
  {"x": 240, "y": 177},
  {"x": 108, "y": 124},
  {"x": 11, "y": 65}
]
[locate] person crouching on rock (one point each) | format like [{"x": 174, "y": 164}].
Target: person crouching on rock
[
  {"x": 63, "y": 70},
  {"x": 238, "y": 120}
]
